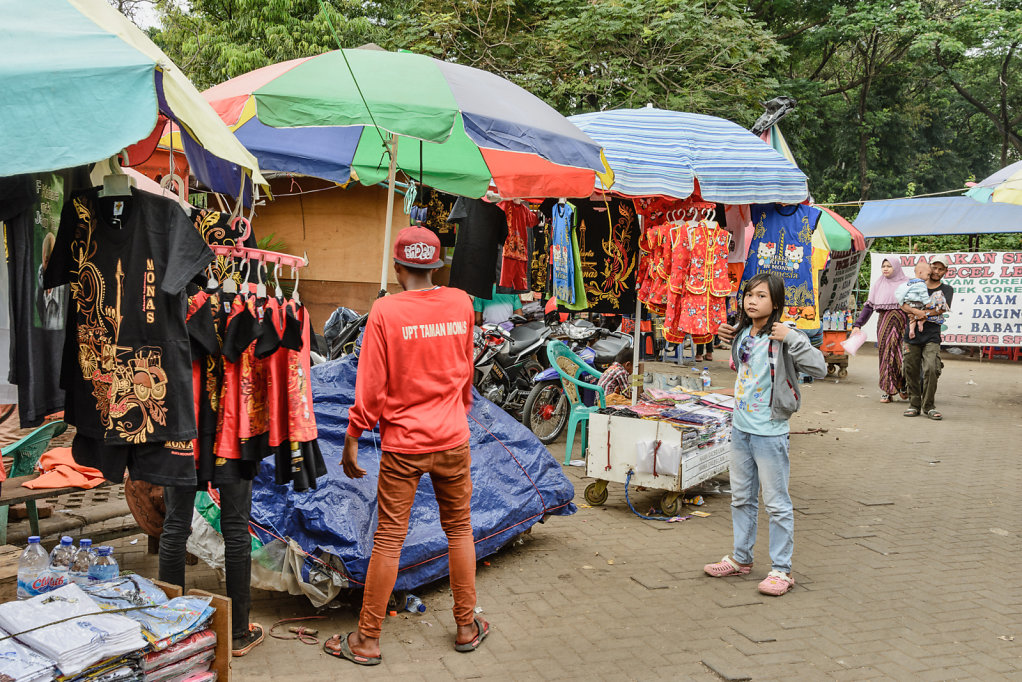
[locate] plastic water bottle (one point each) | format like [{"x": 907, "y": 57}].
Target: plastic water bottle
[
  {"x": 827, "y": 320},
  {"x": 414, "y": 605},
  {"x": 62, "y": 554},
  {"x": 105, "y": 566},
  {"x": 705, "y": 375},
  {"x": 34, "y": 576},
  {"x": 82, "y": 563}
]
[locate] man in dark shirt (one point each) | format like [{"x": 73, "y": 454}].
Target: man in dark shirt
[{"x": 922, "y": 363}]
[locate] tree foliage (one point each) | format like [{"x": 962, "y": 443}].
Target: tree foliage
[{"x": 896, "y": 97}]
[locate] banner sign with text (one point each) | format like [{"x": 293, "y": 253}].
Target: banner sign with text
[
  {"x": 837, "y": 282},
  {"x": 987, "y": 305}
]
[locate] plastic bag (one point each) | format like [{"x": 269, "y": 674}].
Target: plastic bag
[
  {"x": 854, "y": 342},
  {"x": 196, "y": 643},
  {"x": 183, "y": 669}
]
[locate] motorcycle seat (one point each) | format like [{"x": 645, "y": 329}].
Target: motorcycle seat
[
  {"x": 524, "y": 336},
  {"x": 607, "y": 349}
]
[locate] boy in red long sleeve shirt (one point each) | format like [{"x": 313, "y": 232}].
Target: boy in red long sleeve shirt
[{"x": 415, "y": 379}]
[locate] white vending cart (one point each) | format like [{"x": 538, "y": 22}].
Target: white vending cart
[{"x": 660, "y": 455}]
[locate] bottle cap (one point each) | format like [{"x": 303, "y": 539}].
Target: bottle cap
[
  {"x": 33, "y": 539},
  {"x": 85, "y": 542},
  {"x": 105, "y": 550},
  {"x": 66, "y": 540}
]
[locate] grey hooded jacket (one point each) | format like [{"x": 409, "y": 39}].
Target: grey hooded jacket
[{"x": 795, "y": 354}]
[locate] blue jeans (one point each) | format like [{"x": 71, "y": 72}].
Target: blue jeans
[{"x": 757, "y": 460}]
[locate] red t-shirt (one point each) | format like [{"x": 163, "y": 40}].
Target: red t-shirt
[{"x": 415, "y": 371}]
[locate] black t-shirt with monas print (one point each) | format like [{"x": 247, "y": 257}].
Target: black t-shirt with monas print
[{"x": 128, "y": 260}]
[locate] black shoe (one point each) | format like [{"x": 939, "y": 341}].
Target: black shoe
[{"x": 242, "y": 645}]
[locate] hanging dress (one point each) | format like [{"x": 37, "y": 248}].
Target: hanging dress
[{"x": 703, "y": 307}]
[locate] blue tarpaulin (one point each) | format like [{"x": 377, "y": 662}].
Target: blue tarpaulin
[{"x": 516, "y": 483}]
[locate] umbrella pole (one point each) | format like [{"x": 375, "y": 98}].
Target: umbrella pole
[
  {"x": 390, "y": 215},
  {"x": 637, "y": 338}
]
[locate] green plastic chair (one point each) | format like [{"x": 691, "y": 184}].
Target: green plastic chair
[
  {"x": 571, "y": 368},
  {"x": 26, "y": 453}
]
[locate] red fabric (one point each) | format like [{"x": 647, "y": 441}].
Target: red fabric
[
  {"x": 517, "y": 174},
  {"x": 301, "y": 420},
  {"x": 61, "y": 471},
  {"x": 253, "y": 373},
  {"x": 228, "y": 414},
  {"x": 415, "y": 371},
  {"x": 514, "y": 269},
  {"x": 277, "y": 386}
]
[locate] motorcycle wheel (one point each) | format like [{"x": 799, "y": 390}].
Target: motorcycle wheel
[{"x": 546, "y": 411}]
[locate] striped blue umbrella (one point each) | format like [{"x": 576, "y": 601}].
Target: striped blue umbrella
[{"x": 654, "y": 152}]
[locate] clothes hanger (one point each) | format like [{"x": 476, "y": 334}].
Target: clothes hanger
[
  {"x": 277, "y": 293},
  {"x": 260, "y": 291},
  {"x": 230, "y": 284},
  {"x": 211, "y": 282},
  {"x": 116, "y": 183},
  {"x": 296, "y": 274}
]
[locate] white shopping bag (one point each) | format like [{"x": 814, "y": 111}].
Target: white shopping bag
[
  {"x": 668, "y": 459},
  {"x": 644, "y": 456}
]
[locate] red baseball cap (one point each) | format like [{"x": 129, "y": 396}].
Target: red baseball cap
[{"x": 418, "y": 247}]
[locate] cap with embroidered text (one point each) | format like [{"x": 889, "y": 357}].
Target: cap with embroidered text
[{"x": 418, "y": 247}]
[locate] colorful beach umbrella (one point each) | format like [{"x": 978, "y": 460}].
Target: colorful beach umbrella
[
  {"x": 463, "y": 130},
  {"x": 1003, "y": 187},
  {"x": 655, "y": 152},
  {"x": 364, "y": 114},
  {"x": 81, "y": 83}
]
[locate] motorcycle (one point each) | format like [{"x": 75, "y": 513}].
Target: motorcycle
[
  {"x": 506, "y": 361},
  {"x": 546, "y": 408}
]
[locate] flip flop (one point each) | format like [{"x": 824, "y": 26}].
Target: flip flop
[
  {"x": 481, "y": 632},
  {"x": 934, "y": 415},
  {"x": 346, "y": 652},
  {"x": 886, "y": 398},
  {"x": 911, "y": 412}
]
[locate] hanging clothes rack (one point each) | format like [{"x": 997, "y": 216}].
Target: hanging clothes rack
[{"x": 261, "y": 255}]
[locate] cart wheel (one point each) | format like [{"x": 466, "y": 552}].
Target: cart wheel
[
  {"x": 843, "y": 372},
  {"x": 670, "y": 504},
  {"x": 831, "y": 370},
  {"x": 596, "y": 493}
]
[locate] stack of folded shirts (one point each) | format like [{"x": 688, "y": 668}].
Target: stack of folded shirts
[
  {"x": 18, "y": 662},
  {"x": 127, "y": 668},
  {"x": 188, "y": 658},
  {"x": 166, "y": 624},
  {"x": 74, "y": 645},
  {"x": 199, "y": 643}
]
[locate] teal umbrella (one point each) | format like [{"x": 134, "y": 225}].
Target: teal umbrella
[{"x": 81, "y": 83}]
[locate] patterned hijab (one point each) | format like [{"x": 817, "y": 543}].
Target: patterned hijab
[{"x": 881, "y": 294}]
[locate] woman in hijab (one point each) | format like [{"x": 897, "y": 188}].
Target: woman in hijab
[{"x": 890, "y": 326}]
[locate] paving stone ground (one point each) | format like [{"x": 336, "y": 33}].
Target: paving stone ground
[{"x": 907, "y": 549}]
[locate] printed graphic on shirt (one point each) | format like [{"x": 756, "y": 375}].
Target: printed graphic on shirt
[
  {"x": 750, "y": 395},
  {"x": 433, "y": 330},
  {"x": 607, "y": 242},
  {"x": 129, "y": 385},
  {"x": 50, "y": 304}
]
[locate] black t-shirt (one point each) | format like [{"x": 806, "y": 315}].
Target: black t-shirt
[
  {"x": 930, "y": 332},
  {"x": 482, "y": 228},
  {"x": 31, "y": 207},
  {"x": 128, "y": 260},
  {"x": 608, "y": 235}
]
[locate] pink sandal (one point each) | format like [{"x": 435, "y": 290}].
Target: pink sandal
[
  {"x": 726, "y": 566},
  {"x": 776, "y": 584}
]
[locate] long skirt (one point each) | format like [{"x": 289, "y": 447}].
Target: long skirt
[{"x": 890, "y": 337}]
